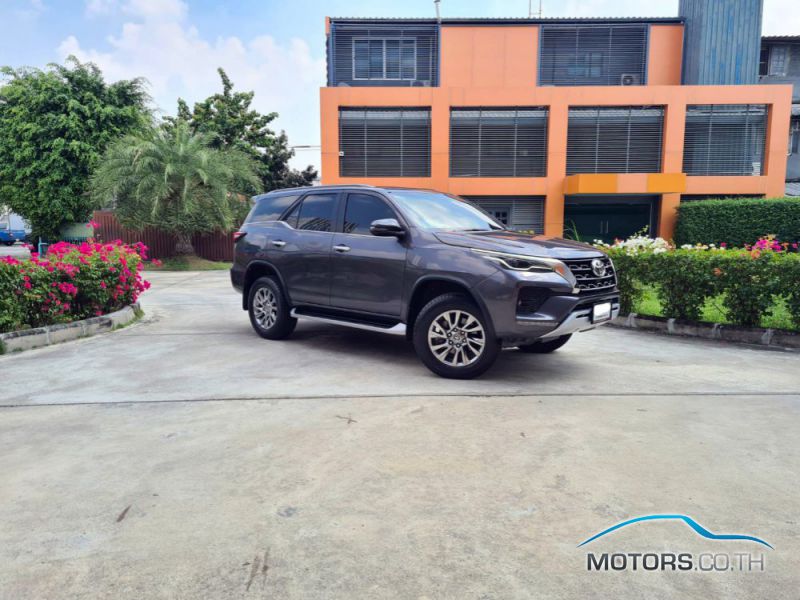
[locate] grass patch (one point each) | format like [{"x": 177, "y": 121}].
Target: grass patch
[
  {"x": 188, "y": 263},
  {"x": 713, "y": 311}
]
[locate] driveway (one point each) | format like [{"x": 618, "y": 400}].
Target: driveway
[{"x": 184, "y": 457}]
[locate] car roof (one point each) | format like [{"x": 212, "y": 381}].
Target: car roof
[{"x": 342, "y": 186}]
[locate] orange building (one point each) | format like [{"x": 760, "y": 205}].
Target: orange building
[{"x": 581, "y": 125}]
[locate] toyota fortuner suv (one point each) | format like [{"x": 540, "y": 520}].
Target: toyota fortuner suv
[{"x": 419, "y": 263}]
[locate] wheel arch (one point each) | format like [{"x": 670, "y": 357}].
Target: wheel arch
[
  {"x": 256, "y": 269},
  {"x": 429, "y": 287}
]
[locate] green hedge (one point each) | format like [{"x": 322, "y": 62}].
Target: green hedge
[
  {"x": 747, "y": 283},
  {"x": 737, "y": 221}
]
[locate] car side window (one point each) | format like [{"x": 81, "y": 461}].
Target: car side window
[
  {"x": 291, "y": 218},
  {"x": 269, "y": 209},
  {"x": 362, "y": 210},
  {"x": 316, "y": 213}
]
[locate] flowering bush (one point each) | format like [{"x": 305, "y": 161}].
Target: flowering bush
[
  {"x": 70, "y": 282},
  {"x": 747, "y": 281}
]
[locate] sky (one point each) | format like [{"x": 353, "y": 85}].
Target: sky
[{"x": 273, "y": 47}]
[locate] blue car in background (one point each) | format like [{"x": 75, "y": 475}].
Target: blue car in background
[{"x": 12, "y": 229}]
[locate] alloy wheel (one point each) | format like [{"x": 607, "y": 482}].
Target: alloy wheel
[
  {"x": 265, "y": 308},
  {"x": 456, "y": 338}
]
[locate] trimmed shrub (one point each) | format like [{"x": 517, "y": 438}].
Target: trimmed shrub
[
  {"x": 788, "y": 271},
  {"x": 631, "y": 276},
  {"x": 69, "y": 283},
  {"x": 683, "y": 280},
  {"x": 748, "y": 283},
  {"x": 737, "y": 221}
]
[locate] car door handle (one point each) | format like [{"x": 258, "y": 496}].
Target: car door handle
[
  {"x": 342, "y": 248},
  {"x": 279, "y": 243}
]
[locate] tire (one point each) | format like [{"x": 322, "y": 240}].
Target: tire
[
  {"x": 9, "y": 243},
  {"x": 545, "y": 346},
  {"x": 471, "y": 340},
  {"x": 269, "y": 311}
]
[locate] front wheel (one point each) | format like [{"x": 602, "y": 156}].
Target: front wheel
[
  {"x": 452, "y": 338},
  {"x": 269, "y": 310},
  {"x": 545, "y": 346}
]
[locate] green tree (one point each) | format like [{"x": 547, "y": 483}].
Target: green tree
[
  {"x": 54, "y": 126},
  {"x": 175, "y": 180},
  {"x": 227, "y": 116}
]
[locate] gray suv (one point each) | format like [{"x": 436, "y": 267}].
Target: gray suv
[{"x": 419, "y": 263}]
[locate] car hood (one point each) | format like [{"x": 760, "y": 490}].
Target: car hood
[{"x": 518, "y": 243}]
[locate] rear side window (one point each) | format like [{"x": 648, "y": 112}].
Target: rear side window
[
  {"x": 362, "y": 210},
  {"x": 270, "y": 208},
  {"x": 314, "y": 213}
]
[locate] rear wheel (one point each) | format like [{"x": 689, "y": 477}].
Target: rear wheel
[
  {"x": 269, "y": 310},
  {"x": 453, "y": 339},
  {"x": 545, "y": 346}
]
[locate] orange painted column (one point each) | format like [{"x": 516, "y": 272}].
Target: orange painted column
[
  {"x": 775, "y": 148},
  {"x": 440, "y": 142},
  {"x": 556, "y": 169},
  {"x": 671, "y": 162}
]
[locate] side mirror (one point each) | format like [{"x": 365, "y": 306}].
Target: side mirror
[{"x": 387, "y": 228}]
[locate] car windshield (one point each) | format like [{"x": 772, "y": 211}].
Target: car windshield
[{"x": 435, "y": 211}]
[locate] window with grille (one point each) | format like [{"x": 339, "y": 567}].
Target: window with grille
[
  {"x": 498, "y": 142},
  {"x": 384, "y": 142},
  {"x": 520, "y": 213},
  {"x": 593, "y": 54},
  {"x": 724, "y": 139},
  {"x": 383, "y": 54},
  {"x": 615, "y": 139},
  {"x": 384, "y": 58}
]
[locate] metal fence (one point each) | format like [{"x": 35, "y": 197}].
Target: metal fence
[{"x": 214, "y": 246}]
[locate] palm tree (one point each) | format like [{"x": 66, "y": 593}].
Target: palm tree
[{"x": 173, "y": 179}]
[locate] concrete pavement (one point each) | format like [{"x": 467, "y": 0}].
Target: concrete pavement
[{"x": 184, "y": 457}]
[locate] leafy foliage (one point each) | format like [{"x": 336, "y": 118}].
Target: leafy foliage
[
  {"x": 747, "y": 282},
  {"x": 231, "y": 123},
  {"x": 69, "y": 283},
  {"x": 737, "y": 221},
  {"x": 54, "y": 126},
  {"x": 175, "y": 180}
]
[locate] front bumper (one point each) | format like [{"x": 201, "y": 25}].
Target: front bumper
[
  {"x": 562, "y": 312},
  {"x": 581, "y": 320}
]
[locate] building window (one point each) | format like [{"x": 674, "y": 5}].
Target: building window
[
  {"x": 498, "y": 142},
  {"x": 384, "y": 58},
  {"x": 778, "y": 57},
  {"x": 593, "y": 55},
  {"x": 382, "y": 54},
  {"x": 384, "y": 142},
  {"x": 615, "y": 139},
  {"x": 725, "y": 139},
  {"x": 519, "y": 213}
]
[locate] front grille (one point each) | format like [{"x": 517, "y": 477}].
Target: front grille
[
  {"x": 588, "y": 281},
  {"x": 530, "y": 299}
]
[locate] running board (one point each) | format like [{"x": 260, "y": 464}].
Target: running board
[{"x": 399, "y": 329}]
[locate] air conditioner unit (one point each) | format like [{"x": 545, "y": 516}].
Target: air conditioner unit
[{"x": 629, "y": 79}]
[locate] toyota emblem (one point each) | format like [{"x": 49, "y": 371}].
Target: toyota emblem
[{"x": 598, "y": 268}]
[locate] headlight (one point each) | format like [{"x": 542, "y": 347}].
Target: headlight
[{"x": 520, "y": 262}]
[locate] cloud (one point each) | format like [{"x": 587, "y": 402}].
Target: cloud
[{"x": 158, "y": 42}]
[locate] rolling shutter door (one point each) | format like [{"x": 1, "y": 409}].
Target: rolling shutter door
[
  {"x": 615, "y": 139},
  {"x": 725, "y": 139},
  {"x": 593, "y": 55},
  {"x": 384, "y": 142},
  {"x": 498, "y": 142},
  {"x": 522, "y": 213}
]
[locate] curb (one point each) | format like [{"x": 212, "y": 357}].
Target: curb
[
  {"x": 27, "y": 339},
  {"x": 773, "y": 338}
]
